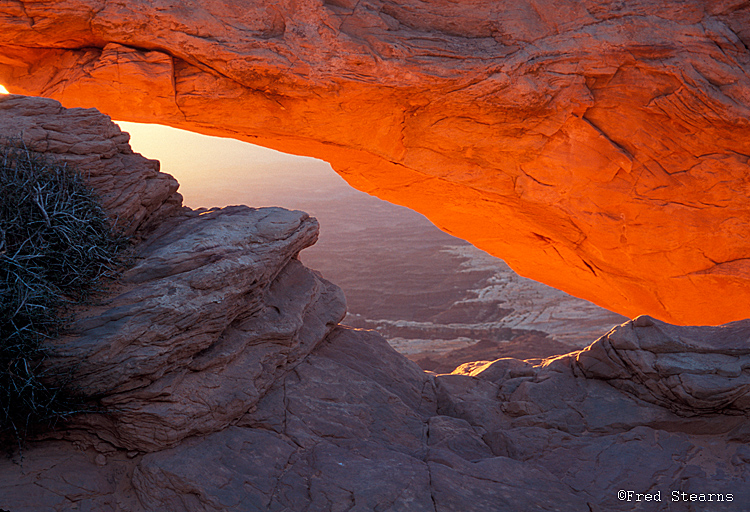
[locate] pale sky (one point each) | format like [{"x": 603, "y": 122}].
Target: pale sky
[{"x": 215, "y": 171}]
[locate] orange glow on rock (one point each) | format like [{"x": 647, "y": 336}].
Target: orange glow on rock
[{"x": 609, "y": 169}]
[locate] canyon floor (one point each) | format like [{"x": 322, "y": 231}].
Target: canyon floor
[{"x": 436, "y": 298}]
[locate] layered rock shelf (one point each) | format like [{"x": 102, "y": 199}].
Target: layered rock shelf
[
  {"x": 600, "y": 147},
  {"x": 229, "y": 385}
]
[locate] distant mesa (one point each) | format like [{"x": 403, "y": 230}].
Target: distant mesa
[{"x": 602, "y": 150}]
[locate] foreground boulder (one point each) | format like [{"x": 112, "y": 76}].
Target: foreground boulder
[
  {"x": 600, "y": 147},
  {"x": 355, "y": 426},
  {"x": 230, "y": 386}
]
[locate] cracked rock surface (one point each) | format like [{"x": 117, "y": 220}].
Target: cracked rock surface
[
  {"x": 230, "y": 386},
  {"x": 691, "y": 370},
  {"x": 356, "y": 426},
  {"x": 598, "y": 146}
]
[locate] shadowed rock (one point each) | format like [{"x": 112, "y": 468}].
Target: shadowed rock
[
  {"x": 130, "y": 187},
  {"x": 690, "y": 370},
  {"x": 216, "y": 310}
]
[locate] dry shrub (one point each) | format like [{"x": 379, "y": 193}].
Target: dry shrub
[{"x": 56, "y": 247}]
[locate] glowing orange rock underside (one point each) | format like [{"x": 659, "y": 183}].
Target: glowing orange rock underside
[{"x": 607, "y": 159}]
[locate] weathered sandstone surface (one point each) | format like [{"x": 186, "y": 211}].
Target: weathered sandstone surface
[
  {"x": 230, "y": 386},
  {"x": 597, "y": 146},
  {"x": 130, "y": 187}
]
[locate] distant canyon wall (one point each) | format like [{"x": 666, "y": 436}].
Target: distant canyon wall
[{"x": 598, "y": 146}]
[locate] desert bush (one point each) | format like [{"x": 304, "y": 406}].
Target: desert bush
[{"x": 56, "y": 247}]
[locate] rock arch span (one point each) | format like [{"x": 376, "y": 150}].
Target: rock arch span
[{"x": 598, "y": 147}]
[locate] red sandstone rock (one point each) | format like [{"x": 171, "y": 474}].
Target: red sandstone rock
[
  {"x": 131, "y": 188},
  {"x": 216, "y": 310},
  {"x": 596, "y": 146},
  {"x": 231, "y": 388},
  {"x": 355, "y": 422}
]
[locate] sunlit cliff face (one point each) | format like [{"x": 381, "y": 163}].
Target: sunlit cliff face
[{"x": 604, "y": 153}]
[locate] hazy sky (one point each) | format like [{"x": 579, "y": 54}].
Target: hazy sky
[{"x": 215, "y": 171}]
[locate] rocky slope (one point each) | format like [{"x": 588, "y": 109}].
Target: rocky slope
[
  {"x": 231, "y": 387},
  {"x": 597, "y": 146}
]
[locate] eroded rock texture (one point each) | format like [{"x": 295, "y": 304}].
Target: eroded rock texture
[
  {"x": 355, "y": 426},
  {"x": 598, "y": 146},
  {"x": 230, "y": 386},
  {"x": 131, "y": 188}
]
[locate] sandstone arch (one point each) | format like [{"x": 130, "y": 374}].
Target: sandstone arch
[{"x": 598, "y": 147}]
